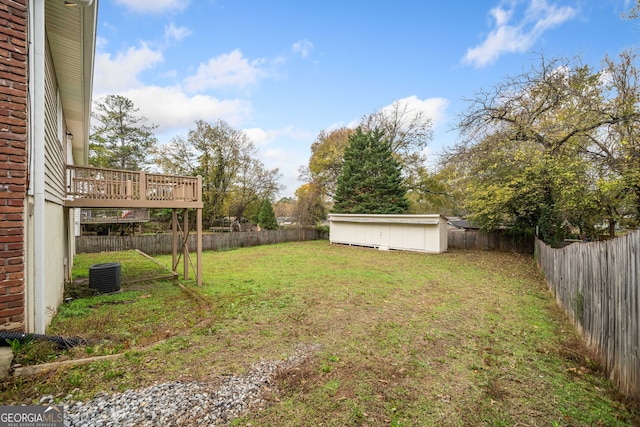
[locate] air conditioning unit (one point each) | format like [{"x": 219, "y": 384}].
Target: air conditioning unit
[{"x": 105, "y": 278}]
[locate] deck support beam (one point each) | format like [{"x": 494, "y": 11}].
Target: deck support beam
[
  {"x": 174, "y": 239},
  {"x": 199, "y": 243},
  {"x": 185, "y": 243}
]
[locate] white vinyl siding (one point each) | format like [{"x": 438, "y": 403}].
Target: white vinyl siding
[{"x": 54, "y": 131}]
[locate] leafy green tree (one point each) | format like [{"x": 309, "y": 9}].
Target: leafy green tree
[
  {"x": 234, "y": 180},
  {"x": 617, "y": 149},
  {"x": 285, "y": 207},
  {"x": 222, "y": 150},
  {"x": 325, "y": 163},
  {"x": 267, "y": 217},
  {"x": 520, "y": 186},
  {"x": 177, "y": 157},
  {"x": 549, "y": 148},
  {"x": 371, "y": 178},
  {"x": 310, "y": 208},
  {"x": 408, "y": 132},
  {"x": 434, "y": 192},
  {"x": 121, "y": 139},
  {"x": 252, "y": 183}
]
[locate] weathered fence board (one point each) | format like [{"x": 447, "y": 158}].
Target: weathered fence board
[
  {"x": 163, "y": 244},
  {"x": 597, "y": 285},
  {"x": 483, "y": 241}
]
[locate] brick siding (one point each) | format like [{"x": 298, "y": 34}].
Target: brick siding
[{"x": 13, "y": 161}]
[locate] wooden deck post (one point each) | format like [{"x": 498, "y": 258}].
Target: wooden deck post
[
  {"x": 199, "y": 229},
  {"x": 199, "y": 237},
  {"x": 185, "y": 243},
  {"x": 174, "y": 234}
]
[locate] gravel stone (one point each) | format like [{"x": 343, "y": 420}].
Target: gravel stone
[{"x": 184, "y": 403}]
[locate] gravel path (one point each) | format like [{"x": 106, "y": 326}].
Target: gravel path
[{"x": 183, "y": 403}]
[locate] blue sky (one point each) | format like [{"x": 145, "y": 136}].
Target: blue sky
[{"x": 283, "y": 71}]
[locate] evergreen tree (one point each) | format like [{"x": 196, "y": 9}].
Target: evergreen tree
[
  {"x": 120, "y": 139},
  {"x": 267, "y": 217},
  {"x": 371, "y": 178}
]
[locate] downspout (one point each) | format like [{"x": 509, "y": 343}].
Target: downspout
[{"x": 37, "y": 172}]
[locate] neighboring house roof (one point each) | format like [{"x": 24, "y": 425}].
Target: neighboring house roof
[
  {"x": 460, "y": 223},
  {"x": 286, "y": 220},
  {"x": 71, "y": 33}
]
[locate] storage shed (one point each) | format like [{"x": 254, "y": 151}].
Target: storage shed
[{"x": 419, "y": 233}]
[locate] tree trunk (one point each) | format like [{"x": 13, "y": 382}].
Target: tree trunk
[{"x": 612, "y": 227}]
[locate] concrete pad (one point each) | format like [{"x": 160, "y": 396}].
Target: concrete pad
[{"x": 6, "y": 357}]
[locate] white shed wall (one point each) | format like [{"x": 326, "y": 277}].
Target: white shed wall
[{"x": 420, "y": 233}]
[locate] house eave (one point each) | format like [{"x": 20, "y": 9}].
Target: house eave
[{"x": 71, "y": 33}]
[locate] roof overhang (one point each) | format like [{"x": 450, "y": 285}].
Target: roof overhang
[
  {"x": 71, "y": 33},
  {"x": 389, "y": 219}
]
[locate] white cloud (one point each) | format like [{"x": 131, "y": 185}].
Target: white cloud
[
  {"x": 101, "y": 42},
  {"x": 113, "y": 74},
  {"x": 153, "y": 6},
  {"x": 226, "y": 70},
  {"x": 288, "y": 163},
  {"x": 288, "y": 160},
  {"x": 510, "y": 37},
  {"x": 501, "y": 16},
  {"x": 302, "y": 47},
  {"x": 173, "y": 33},
  {"x": 175, "y": 112},
  {"x": 262, "y": 137},
  {"x": 170, "y": 107},
  {"x": 434, "y": 108},
  {"x": 259, "y": 136}
]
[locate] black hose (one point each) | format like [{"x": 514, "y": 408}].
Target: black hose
[{"x": 62, "y": 342}]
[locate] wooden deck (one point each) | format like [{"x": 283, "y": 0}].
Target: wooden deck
[{"x": 89, "y": 187}]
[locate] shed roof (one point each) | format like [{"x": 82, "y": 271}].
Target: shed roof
[{"x": 388, "y": 218}]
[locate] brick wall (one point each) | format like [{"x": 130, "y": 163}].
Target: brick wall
[{"x": 13, "y": 161}]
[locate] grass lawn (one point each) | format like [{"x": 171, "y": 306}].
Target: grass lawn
[{"x": 407, "y": 339}]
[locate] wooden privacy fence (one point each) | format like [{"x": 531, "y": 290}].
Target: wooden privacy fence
[
  {"x": 597, "y": 285},
  {"x": 483, "y": 241},
  {"x": 162, "y": 243}
]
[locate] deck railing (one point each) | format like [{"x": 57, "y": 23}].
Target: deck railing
[{"x": 99, "y": 187}]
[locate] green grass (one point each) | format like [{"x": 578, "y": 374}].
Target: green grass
[
  {"x": 133, "y": 265},
  {"x": 407, "y": 339}
]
